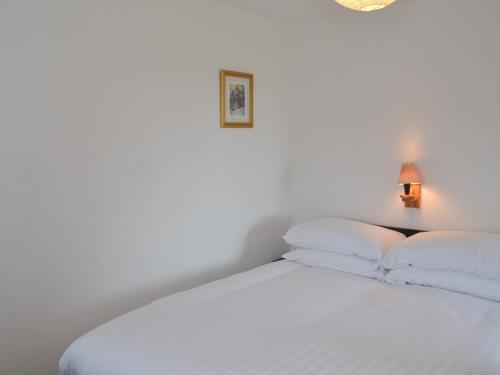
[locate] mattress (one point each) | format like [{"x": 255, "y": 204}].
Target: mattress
[{"x": 285, "y": 318}]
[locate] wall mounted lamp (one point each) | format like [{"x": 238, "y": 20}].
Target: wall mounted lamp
[{"x": 410, "y": 179}]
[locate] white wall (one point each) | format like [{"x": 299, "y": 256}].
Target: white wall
[
  {"x": 117, "y": 185},
  {"x": 419, "y": 81}
]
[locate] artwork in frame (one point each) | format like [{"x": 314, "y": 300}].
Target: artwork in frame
[{"x": 236, "y": 99}]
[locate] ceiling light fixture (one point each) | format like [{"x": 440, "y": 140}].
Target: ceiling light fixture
[{"x": 365, "y": 5}]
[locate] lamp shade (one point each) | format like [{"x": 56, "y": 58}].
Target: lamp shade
[
  {"x": 409, "y": 174},
  {"x": 365, "y": 5}
]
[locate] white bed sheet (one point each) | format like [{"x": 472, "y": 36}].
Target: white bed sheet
[{"x": 285, "y": 318}]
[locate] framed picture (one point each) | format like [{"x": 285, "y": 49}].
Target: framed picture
[{"x": 236, "y": 99}]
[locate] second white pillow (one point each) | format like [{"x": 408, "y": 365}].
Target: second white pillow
[
  {"x": 339, "y": 262},
  {"x": 471, "y": 252},
  {"x": 450, "y": 280}
]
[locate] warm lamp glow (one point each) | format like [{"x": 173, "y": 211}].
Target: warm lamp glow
[
  {"x": 365, "y": 5},
  {"x": 409, "y": 174}
]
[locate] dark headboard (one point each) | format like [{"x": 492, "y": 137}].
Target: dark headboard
[{"x": 406, "y": 232}]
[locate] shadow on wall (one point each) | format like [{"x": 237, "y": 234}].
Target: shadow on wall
[{"x": 263, "y": 244}]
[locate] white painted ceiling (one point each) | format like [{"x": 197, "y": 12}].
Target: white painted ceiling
[{"x": 282, "y": 10}]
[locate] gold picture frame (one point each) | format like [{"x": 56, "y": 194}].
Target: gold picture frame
[{"x": 236, "y": 99}]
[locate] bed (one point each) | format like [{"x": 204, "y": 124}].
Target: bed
[{"x": 287, "y": 318}]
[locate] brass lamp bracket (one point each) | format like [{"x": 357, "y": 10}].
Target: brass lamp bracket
[{"x": 412, "y": 200}]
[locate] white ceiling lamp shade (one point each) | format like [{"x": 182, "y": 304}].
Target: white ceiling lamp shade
[{"x": 365, "y": 5}]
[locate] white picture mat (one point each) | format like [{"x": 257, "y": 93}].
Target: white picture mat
[{"x": 231, "y": 117}]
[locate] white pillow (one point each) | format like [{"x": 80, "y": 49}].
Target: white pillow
[
  {"x": 476, "y": 253},
  {"x": 343, "y": 236},
  {"x": 345, "y": 263},
  {"x": 451, "y": 280}
]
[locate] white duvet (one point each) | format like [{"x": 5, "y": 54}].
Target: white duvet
[{"x": 285, "y": 318}]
